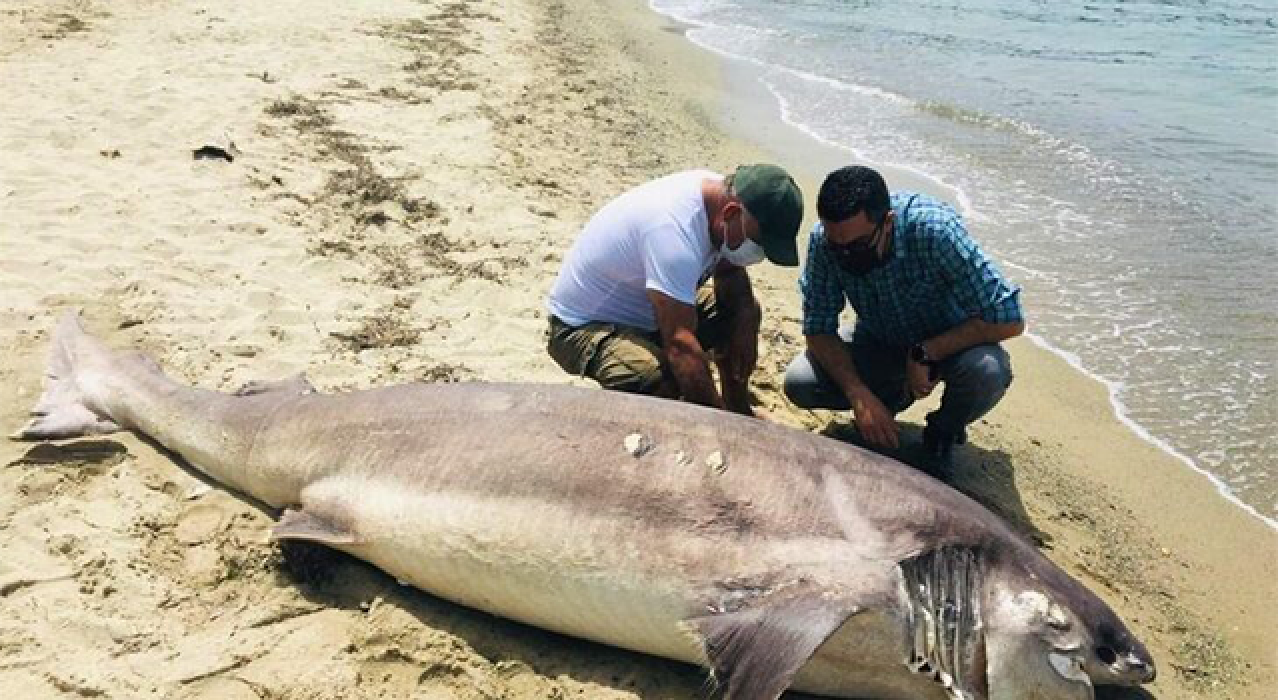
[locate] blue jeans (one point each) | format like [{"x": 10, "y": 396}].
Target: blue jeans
[{"x": 974, "y": 381}]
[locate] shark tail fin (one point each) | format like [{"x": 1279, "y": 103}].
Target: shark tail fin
[{"x": 63, "y": 410}]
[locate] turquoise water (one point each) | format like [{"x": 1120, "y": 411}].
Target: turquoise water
[{"x": 1118, "y": 158}]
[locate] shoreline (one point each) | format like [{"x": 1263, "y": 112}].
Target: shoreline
[
  {"x": 399, "y": 162},
  {"x": 822, "y": 155},
  {"x": 1119, "y": 411}
]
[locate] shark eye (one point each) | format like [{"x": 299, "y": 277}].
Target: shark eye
[{"x": 1106, "y": 655}]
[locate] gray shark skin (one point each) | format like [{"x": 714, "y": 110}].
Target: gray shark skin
[{"x": 777, "y": 558}]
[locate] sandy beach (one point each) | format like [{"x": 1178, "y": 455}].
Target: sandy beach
[{"x": 403, "y": 179}]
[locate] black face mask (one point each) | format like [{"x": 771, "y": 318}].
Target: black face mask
[{"x": 860, "y": 257}]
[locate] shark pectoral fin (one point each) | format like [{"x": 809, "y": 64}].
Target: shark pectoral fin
[
  {"x": 755, "y": 652},
  {"x": 300, "y": 525}
]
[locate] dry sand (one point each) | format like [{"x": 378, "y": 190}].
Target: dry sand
[{"x": 406, "y": 176}]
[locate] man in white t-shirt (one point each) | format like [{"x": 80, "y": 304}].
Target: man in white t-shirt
[{"x": 630, "y": 309}]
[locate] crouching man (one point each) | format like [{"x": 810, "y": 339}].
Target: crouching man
[
  {"x": 931, "y": 307},
  {"x": 630, "y": 307}
]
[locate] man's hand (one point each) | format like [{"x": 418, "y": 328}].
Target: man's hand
[
  {"x": 919, "y": 381},
  {"x": 875, "y": 423}
]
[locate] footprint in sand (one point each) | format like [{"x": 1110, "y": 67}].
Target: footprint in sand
[{"x": 199, "y": 524}]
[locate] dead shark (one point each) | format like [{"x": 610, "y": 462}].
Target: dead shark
[{"x": 777, "y": 558}]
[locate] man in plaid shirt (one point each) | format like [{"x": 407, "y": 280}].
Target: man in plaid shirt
[{"x": 931, "y": 307}]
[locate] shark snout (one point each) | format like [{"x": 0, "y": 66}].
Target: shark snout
[
  {"x": 1121, "y": 668},
  {"x": 1144, "y": 670}
]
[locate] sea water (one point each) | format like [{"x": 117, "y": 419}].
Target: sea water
[{"x": 1118, "y": 159}]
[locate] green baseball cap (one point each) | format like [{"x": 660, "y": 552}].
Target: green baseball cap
[{"x": 774, "y": 199}]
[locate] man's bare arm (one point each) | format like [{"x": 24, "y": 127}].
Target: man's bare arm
[
  {"x": 830, "y": 352},
  {"x": 682, "y": 351},
  {"x": 737, "y": 360},
  {"x": 734, "y": 293},
  {"x": 874, "y": 420},
  {"x": 973, "y": 332}
]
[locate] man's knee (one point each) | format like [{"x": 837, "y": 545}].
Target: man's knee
[
  {"x": 799, "y": 381},
  {"x": 634, "y": 370},
  {"x": 634, "y": 378},
  {"x": 984, "y": 370},
  {"x": 807, "y": 387},
  {"x": 616, "y": 358}
]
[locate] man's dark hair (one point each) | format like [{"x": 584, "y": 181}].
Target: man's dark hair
[{"x": 851, "y": 190}]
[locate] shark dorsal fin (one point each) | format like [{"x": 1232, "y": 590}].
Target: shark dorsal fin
[
  {"x": 298, "y": 384},
  {"x": 755, "y": 652}
]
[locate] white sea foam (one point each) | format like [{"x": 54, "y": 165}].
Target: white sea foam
[
  {"x": 957, "y": 195},
  {"x": 1122, "y": 414}
]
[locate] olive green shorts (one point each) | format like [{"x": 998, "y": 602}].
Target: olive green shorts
[{"x": 624, "y": 358}]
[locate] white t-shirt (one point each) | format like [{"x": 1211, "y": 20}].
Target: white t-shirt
[{"x": 651, "y": 237}]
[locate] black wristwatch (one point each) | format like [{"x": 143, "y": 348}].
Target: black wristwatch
[{"x": 921, "y": 356}]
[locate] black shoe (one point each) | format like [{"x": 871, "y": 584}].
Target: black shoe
[{"x": 938, "y": 450}]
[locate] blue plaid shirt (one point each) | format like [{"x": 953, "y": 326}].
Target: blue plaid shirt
[{"x": 936, "y": 278}]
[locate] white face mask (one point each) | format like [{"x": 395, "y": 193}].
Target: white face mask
[{"x": 749, "y": 253}]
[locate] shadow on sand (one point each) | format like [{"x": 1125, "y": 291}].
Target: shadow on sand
[{"x": 986, "y": 476}]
